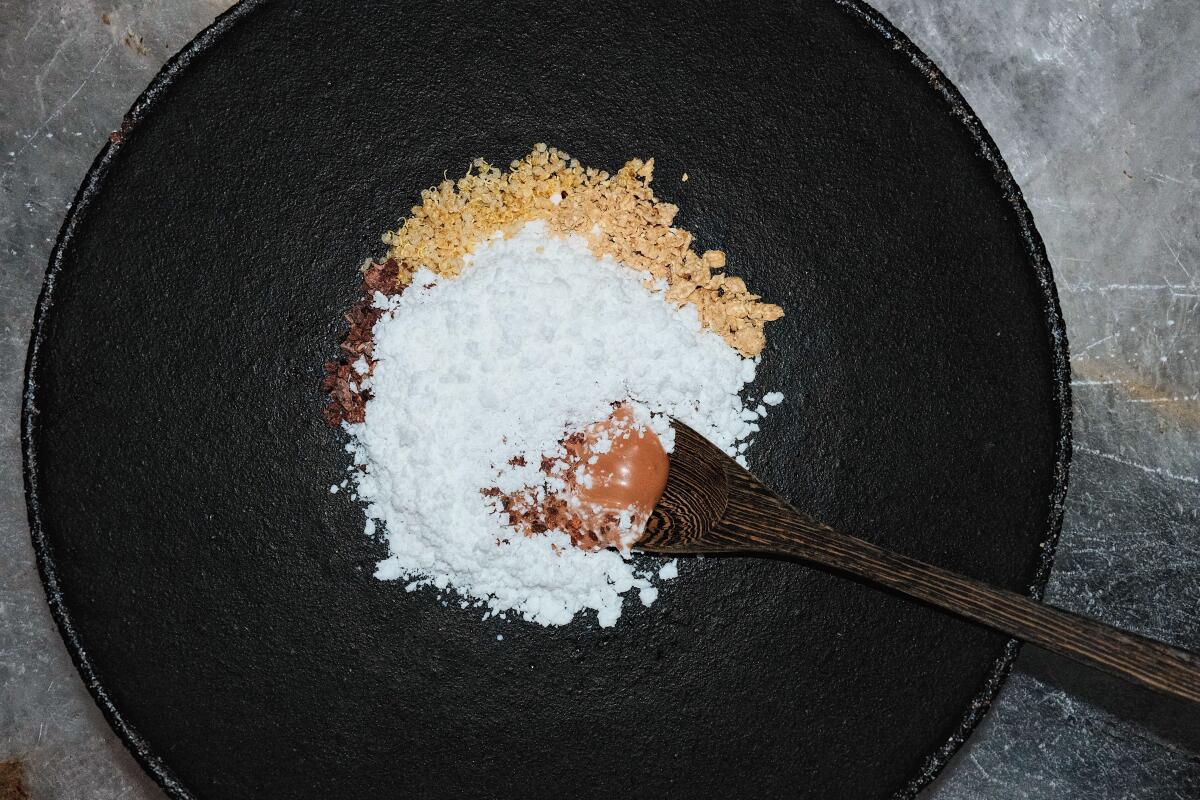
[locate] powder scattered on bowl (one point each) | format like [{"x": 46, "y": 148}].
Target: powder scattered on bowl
[{"x": 515, "y": 309}]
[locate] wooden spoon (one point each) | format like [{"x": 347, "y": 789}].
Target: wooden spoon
[{"x": 711, "y": 504}]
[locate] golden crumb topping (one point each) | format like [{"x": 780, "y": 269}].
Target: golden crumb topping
[{"x": 617, "y": 214}]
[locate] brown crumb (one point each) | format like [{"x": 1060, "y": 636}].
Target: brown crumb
[
  {"x": 531, "y": 516},
  {"x": 12, "y": 780},
  {"x": 348, "y": 403}
]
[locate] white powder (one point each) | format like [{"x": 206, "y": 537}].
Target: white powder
[{"x": 536, "y": 338}]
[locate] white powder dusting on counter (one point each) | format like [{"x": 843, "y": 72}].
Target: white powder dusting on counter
[{"x": 534, "y": 339}]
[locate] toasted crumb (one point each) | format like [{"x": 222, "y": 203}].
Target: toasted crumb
[{"x": 618, "y": 215}]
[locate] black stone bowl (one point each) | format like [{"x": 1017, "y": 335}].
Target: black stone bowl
[{"x": 218, "y": 599}]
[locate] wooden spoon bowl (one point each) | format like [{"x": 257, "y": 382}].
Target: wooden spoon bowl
[{"x": 711, "y": 504}]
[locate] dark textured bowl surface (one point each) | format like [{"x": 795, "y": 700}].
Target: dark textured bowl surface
[{"x": 219, "y": 600}]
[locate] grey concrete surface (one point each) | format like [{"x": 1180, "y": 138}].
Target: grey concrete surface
[{"x": 1095, "y": 104}]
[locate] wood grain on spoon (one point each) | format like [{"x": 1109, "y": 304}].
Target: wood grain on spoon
[{"x": 711, "y": 504}]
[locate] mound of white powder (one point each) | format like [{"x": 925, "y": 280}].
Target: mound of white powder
[{"x": 535, "y": 339}]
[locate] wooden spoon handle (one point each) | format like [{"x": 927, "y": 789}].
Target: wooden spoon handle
[{"x": 784, "y": 530}]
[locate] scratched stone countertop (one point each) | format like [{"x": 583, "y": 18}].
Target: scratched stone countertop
[{"x": 1095, "y": 105}]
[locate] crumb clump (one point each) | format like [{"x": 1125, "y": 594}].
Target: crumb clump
[
  {"x": 344, "y": 376},
  {"x": 618, "y": 215}
]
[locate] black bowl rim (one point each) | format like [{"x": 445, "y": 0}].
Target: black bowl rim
[{"x": 93, "y": 182}]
